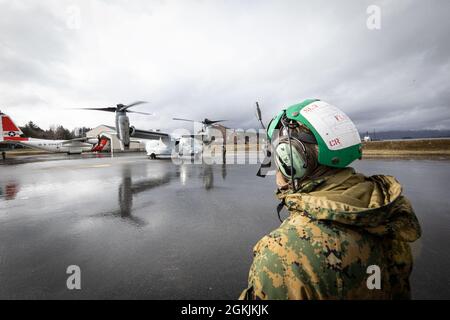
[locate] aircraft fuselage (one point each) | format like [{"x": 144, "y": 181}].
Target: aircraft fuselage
[{"x": 57, "y": 146}]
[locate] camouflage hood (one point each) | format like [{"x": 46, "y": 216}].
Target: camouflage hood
[{"x": 374, "y": 203}]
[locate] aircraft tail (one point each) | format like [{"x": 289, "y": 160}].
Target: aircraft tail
[{"x": 8, "y": 130}]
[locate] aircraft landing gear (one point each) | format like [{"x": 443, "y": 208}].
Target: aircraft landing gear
[{"x": 153, "y": 156}]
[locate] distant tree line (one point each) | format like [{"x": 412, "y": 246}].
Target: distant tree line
[{"x": 53, "y": 133}]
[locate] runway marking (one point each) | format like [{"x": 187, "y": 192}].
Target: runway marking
[{"x": 98, "y": 166}]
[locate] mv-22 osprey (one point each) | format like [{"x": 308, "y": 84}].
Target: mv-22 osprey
[{"x": 158, "y": 144}]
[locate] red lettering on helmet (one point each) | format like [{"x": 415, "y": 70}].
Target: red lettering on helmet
[
  {"x": 340, "y": 117},
  {"x": 334, "y": 142},
  {"x": 311, "y": 108}
]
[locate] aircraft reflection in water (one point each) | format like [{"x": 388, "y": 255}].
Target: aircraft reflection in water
[
  {"x": 128, "y": 188},
  {"x": 208, "y": 175},
  {"x": 9, "y": 190}
]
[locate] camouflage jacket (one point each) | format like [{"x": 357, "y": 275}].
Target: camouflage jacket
[{"x": 338, "y": 226}]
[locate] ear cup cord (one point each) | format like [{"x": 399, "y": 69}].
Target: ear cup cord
[
  {"x": 292, "y": 161},
  {"x": 285, "y": 127}
]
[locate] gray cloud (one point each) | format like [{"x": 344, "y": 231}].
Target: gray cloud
[{"x": 214, "y": 59}]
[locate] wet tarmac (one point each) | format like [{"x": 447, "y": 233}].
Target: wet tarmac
[{"x": 143, "y": 229}]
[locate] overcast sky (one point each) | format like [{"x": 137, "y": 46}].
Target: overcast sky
[{"x": 214, "y": 59}]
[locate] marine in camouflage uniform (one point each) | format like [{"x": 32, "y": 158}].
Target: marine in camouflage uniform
[{"x": 339, "y": 224}]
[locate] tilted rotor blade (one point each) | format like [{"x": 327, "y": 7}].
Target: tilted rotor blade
[
  {"x": 148, "y": 114},
  {"x": 179, "y": 119},
  {"x": 124, "y": 108},
  {"x": 109, "y": 109},
  {"x": 208, "y": 122}
]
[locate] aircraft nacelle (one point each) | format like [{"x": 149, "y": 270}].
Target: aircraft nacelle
[{"x": 123, "y": 129}]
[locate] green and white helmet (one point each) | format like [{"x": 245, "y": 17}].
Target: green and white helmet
[{"x": 338, "y": 141}]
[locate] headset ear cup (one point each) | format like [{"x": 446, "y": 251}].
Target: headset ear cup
[
  {"x": 283, "y": 159},
  {"x": 279, "y": 150},
  {"x": 286, "y": 166}
]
